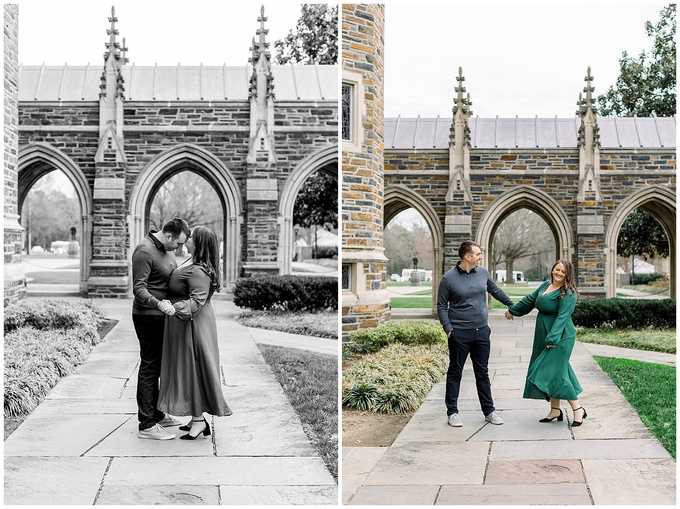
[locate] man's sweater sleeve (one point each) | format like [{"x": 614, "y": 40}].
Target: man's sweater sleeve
[
  {"x": 443, "y": 305},
  {"x": 497, "y": 293}
]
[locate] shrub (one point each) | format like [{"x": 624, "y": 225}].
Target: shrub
[
  {"x": 326, "y": 252},
  {"x": 397, "y": 379},
  {"x": 645, "y": 279},
  {"x": 625, "y": 313},
  {"x": 410, "y": 332},
  {"x": 289, "y": 293},
  {"x": 52, "y": 314}
]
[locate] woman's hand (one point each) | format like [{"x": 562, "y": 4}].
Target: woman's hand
[{"x": 509, "y": 316}]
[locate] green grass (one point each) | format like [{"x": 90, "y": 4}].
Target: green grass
[
  {"x": 65, "y": 277},
  {"x": 516, "y": 293},
  {"x": 657, "y": 340},
  {"x": 650, "y": 389},
  {"x": 310, "y": 381},
  {"x": 323, "y": 324},
  {"x": 406, "y": 283},
  {"x": 411, "y": 302},
  {"x": 427, "y": 292}
]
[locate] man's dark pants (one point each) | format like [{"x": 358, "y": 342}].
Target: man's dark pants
[
  {"x": 477, "y": 344},
  {"x": 149, "y": 330}
]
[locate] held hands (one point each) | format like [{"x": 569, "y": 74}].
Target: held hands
[
  {"x": 509, "y": 316},
  {"x": 167, "y": 307}
]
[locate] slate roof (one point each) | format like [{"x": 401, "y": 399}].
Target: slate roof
[
  {"x": 621, "y": 132},
  {"x": 177, "y": 83}
]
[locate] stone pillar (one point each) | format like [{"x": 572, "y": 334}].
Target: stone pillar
[
  {"x": 14, "y": 276},
  {"x": 365, "y": 302},
  {"x": 591, "y": 258}
]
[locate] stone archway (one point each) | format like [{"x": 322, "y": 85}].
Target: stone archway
[
  {"x": 38, "y": 159},
  {"x": 537, "y": 201},
  {"x": 183, "y": 157},
  {"x": 398, "y": 198},
  {"x": 656, "y": 200},
  {"x": 325, "y": 160}
]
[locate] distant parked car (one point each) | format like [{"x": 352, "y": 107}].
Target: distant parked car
[
  {"x": 37, "y": 250},
  {"x": 395, "y": 277}
]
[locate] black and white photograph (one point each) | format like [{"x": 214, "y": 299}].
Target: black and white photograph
[{"x": 171, "y": 253}]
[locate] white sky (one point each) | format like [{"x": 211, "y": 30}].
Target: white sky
[
  {"x": 163, "y": 33},
  {"x": 518, "y": 59}
]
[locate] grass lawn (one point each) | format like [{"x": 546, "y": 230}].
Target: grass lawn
[
  {"x": 514, "y": 292},
  {"x": 657, "y": 340},
  {"x": 406, "y": 283},
  {"x": 59, "y": 276},
  {"x": 310, "y": 381},
  {"x": 321, "y": 325},
  {"x": 650, "y": 388},
  {"x": 412, "y": 302}
]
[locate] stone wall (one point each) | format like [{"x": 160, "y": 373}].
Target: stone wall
[{"x": 14, "y": 276}]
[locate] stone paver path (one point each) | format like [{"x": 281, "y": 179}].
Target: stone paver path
[
  {"x": 612, "y": 459},
  {"x": 80, "y": 446}
]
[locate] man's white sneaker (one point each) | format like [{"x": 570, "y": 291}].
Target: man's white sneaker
[
  {"x": 156, "y": 432},
  {"x": 455, "y": 421},
  {"x": 494, "y": 418},
  {"x": 169, "y": 420}
]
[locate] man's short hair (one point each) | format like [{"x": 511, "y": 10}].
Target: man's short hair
[
  {"x": 466, "y": 248},
  {"x": 176, "y": 226}
]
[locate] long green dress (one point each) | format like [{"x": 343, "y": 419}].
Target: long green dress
[{"x": 550, "y": 375}]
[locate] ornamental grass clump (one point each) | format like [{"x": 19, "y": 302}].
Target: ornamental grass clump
[
  {"x": 35, "y": 359},
  {"x": 397, "y": 379},
  {"x": 408, "y": 332}
]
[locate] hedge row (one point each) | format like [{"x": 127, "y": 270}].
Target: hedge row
[
  {"x": 645, "y": 279},
  {"x": 397, "y": 379},
  {"x": 289, "y": 293},
  {"x": 625, "y": 313},
  {"x": 408, "y": 332},
  {"x": 44, "y": 341}
]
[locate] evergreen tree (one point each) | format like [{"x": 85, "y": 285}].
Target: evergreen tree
[{"x": 646, "y": 85}]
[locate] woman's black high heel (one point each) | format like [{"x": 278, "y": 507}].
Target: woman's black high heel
[
  {"x": 558, "y": 417},
  {"x": 205, "y": 432},
  {"x": 578, "y": 423}
]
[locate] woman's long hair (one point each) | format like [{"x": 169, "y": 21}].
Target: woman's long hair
[
  {"x": 569, "y": 283},
  {"x": 207, "y": 254}
]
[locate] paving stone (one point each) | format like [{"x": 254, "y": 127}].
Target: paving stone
[
  {"x": 67, "y": 435},
  {"x": 114, "y": 365},
  {"x": 158, "y": 495},
  {"x": 350, "y": 484},
  {"x": 632, "y": 481},
  {"x": 88, "y": 386},
  {"x": 54, "y": 481},
  {"x": 578, "y": 449},
  {"x": 519, "y": 494},
  {"x": 534, "y": 472},
  {"x": 438, "y": 463},
  {"x": 209, "y": 471},
  {"x": 398, "y": 495},
  {"x": 279, "y": 495},
  {"x": 60, "y": 407},
  {"x": 361, "y": 460},
  {"x": 252, "y": 376},
  {"x": 520, "y": 424}
]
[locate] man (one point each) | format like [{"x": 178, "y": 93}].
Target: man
[
  {"x": 153, "y": 260},
  {"x": 464, "y": 315}
]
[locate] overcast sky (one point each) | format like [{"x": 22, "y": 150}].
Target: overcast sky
[
  {"x": 163, "y": 33},
  {"x": 518, "y": 59}
]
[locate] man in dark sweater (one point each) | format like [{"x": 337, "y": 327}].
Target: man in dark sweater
[
  {"x": 463, "y": 313},
  {"x": 153, "y": 260}
]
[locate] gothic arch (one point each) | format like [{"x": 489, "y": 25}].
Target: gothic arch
[
  {"x": 175, "y": 159},
  {"x": 658, "y": 201},
  {"x": 532, "y": 199},
  {"x": 36, "y": 160},
  {"x": 398, "y": 198},
  {"x": 325, "y": 160}
]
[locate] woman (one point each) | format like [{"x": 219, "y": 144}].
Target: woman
[
  {"x": 550, "y": 376},
  {"x": 190, "y": 369}
]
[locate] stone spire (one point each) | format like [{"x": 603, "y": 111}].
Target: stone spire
[
  {"x": 588, "y": 144},
  {"x": 111, "y": 97},
  {"x": 261, "y": 96},
  {"x": 459, "y": 144}
]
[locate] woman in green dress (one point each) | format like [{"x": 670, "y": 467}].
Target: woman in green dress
[{"x": 550, "y": 375}]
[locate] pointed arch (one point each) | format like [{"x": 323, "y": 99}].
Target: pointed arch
[
  {"x": 661, "y": 203},
  {"x": 532, "y": 199},
  {"x": 325, "y": 160},
  {"x": 398, "y": 197},
  {"x": 36, "y": 160},
  {"x": 197, "y": 159}
]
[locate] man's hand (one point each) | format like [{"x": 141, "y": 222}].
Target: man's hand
[
  {"x": 167, "y": 307},
  {"x": 509, "y": 316}
]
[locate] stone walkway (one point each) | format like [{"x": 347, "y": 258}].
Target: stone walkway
[
  {"x": 611, "y": 459},
  {"x": 80, "y": 445}
]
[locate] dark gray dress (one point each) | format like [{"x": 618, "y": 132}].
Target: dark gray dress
[{"x": 190, "y": 369}]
